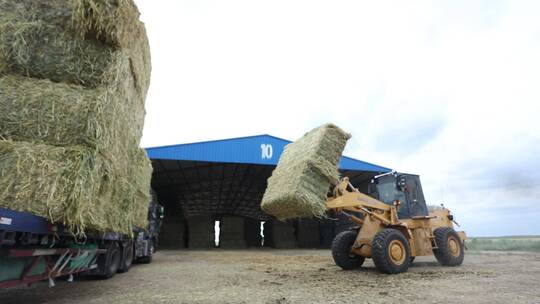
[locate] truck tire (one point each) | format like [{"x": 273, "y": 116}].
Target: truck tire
[
  {"x": 148, "y": 258},
  {"x": 128, "y": 258},
  {"x": 341, "y": 251},
  {"x": 449, "y": 251},
  {"x": 390, "y": 251},
  {"x": 110, "y": 262}
]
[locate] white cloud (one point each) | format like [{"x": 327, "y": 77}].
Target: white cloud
[{"x": 447, "y": 90}]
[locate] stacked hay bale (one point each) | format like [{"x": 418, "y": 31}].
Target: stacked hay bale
[
  {"x": 280, "y": 234},
  {"x": 326, "y": 233},
  {"x": 173, "y": 228},
  {"x": 201, "y": 232},
  {"x": 307, "y": 233},
  {"x": 73, "y": 81},
  {"x": 232, "y": 234},
  {"x": 307, "y": 168}
]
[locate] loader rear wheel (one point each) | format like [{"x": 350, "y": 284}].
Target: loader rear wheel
[
  {"x": 390, "y": 251},
  {"x": 341, "y": 251},
  {"x": 449, "y": 251}
]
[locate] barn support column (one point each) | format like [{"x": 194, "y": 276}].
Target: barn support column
[{"x": 252, "y": 232}]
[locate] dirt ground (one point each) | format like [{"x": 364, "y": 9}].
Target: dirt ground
[{"x": 298, "y": 276}]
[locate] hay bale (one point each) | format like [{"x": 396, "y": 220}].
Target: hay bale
[
  {"x": 55, "y": 182},
  {"x": 43, "y": 111},
  {"x": 113, "y": 22},
  {"x": 305, "y": 171},
  {"x": 60, "y": 114},
  {"x": 69, "y": 41},
  {"x": 73, "y": 186},
  {"x": 73, "y": 79}
]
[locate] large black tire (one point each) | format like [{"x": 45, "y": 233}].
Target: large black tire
[
  {"x": 390, "y": 251},
  {"x": 449, "y": 251},
  {"x": 341, "y": 251},
  {"x": 128, "y": 258},
  {"x": 110, "y": 261},
  {"x": 148, "y": 258}
]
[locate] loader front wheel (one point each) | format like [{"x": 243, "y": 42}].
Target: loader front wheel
[
  {"x": 390, "y": 251},
  {"x": 449, "y": 251},
  {"x": 341, "y": 251}
]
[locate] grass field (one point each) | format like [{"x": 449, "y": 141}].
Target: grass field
[{"x": 507, "y": 243}]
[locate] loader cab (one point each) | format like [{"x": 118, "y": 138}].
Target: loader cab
[{"x": 403, "y": 187}]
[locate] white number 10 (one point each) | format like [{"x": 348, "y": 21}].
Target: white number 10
[{"x": 266, "y": 151}]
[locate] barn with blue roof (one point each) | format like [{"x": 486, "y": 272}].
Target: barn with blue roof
[{"x": 224, "y": 181}]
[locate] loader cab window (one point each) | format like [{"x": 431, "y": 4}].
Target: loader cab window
[
  {"x": 411, "y": 199},
  {"x": 388, "y": 192}
]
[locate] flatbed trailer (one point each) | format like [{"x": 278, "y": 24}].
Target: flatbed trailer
[{"x": 32, "y": 249}]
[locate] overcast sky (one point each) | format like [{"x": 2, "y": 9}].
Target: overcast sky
[{"x": 449, "y": 90}]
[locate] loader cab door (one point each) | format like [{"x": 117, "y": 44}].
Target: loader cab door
[
  {"x": 387, "y": 191},
  {"x": 415, "y": 196},
  {"x": 407, "y": 189}
]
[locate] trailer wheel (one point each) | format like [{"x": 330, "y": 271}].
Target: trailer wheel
[
  {"x": 449, "y": 251},
  {"x": 390, "y": 251},
  {"x": 341, "y": 251},
  {"x": 110, "y": 262},
  {"x": 128, "y": 258}
]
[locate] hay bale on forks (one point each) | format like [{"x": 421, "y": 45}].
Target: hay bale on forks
[
  {"x": 73, "y": 79},
  {"x": 304, "y": 174}
]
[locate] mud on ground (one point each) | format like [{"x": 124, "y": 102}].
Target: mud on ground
[{"x": 298, "y": 276}]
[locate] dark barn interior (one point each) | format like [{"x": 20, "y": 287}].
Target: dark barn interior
[{"x": 222, "y": 194}]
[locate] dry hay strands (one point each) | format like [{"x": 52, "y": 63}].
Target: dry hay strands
[
  {"x": 58, "y": 183},
  {"x": 40, "y": 50},
  {"x": 306, "y": 170},
  {"x": 113, "y": 22},
  {"x": 74, "y": 186},
  {"x": 73, "y": 79},
  {"x": 35, "y": 41},
  {"x": 38, "y": 110},
  {"x": 139, "y": 176}
]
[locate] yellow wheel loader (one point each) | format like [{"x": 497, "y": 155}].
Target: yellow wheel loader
[{"x": 395, "y": 228}]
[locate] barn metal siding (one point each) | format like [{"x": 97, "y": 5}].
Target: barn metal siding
[{"x": 260, "y": 150}]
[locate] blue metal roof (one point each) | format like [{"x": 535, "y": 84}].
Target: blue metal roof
[{"x": 260, "y": 149}]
